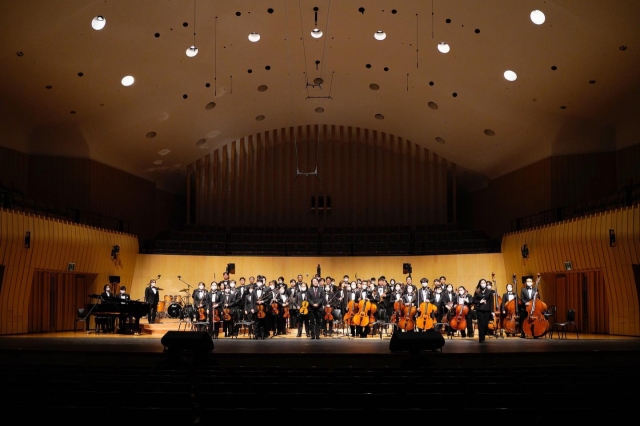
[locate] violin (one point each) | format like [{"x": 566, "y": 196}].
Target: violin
[
  {"x": 304, "y": 307},
  {"x": 459, "y": 320},
  {"x": 261, "y": 312},
  {"x": 536, "y": 324},
  {"x": 226, "y": 314},
  {"x": 274, "y": 308},
  {"x": 286, "y": 314},
  {"x": 216, "y": 315},
  {"x": 202, "y": 315},
  {"x": 328, "y": 316}
]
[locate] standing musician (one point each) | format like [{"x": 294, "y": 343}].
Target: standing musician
[
  {"x": 449, "y": 298},
  {"x": 241, "y": 295},
  {"x": 316, "y": 301},
  {"x": 483, "y": 301},
  {"x": 272, "y": 317},
  {"x": 507, "y": 297},
  {"x": 200, "y": 298},
  {"x": 330, "y": 303},
  {"x": 385, "y": 306},
  {"x": 227, "y": 302},
  {"x": 258, "y": 302},
  {"x": 409, "y": 299},
  {"x": 292, "y": 293},
  {"x": 463, "y": 299},
  {"x": 152, "y": 297},
  {"x": 283, "y": 302},
  {"x": 424, "y": 295},
  {"x": 225, "y": 279},
  {"x": 303, "y": 318},
  {"x": 353, "y": 295},
  {"x": 438, "y": 300},
  {"x": 526, "y": 296},
  {"x": 214, "y": 303}
]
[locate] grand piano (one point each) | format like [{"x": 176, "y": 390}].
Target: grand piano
[{"x": 129, "y": 311}]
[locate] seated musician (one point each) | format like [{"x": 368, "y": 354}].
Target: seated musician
[
  {"x": 438, "y": 300},
  {"x": 107, "y": 322},
  {"x": 123, "y": 298}
]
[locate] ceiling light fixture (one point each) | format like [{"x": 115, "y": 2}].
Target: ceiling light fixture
[
  {"x": 127, "y": 80},
  {"x": 380, "y": 35},
  {"x": 193, "y": 50},
  {"x": 316, "y": 32},
  {"x": 510, "y": 75},
  {"x": 537, "y": 17},
  {"x": 98, "y": 22},
  {"x": 254, "y": 37},
  {"x": 443, "y": 47}
]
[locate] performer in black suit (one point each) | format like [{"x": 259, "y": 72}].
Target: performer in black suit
[
  {"x": 292, "y": 292},
  {"x": 353, "y": 295},
  {"x": 227, "y": 302},
  {"x": 152, "y": 297},
  {"x": 483, "y": 301},
  {"x": 200, "y": 313},
  {"x": 257, "y": 306},
  {"x": 438, "y": 300},
  {"x": 303, "y": 317},
  {"x": 214, "y": 304},
  {"x": 410, "y": 299},
  {"x": 316, "y": 298},
  {"x": 526, "y": 296},
  {"x": 424, "y": 294},
  {"x": 283, "y": 302}
]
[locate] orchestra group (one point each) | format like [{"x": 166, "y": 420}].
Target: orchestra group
[{"x": 359, "y": 307}]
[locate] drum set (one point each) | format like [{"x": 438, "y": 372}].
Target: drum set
[{"x": 176, "y": 306}]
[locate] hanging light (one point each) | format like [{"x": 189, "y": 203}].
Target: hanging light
[
  {"x": 443, "y": 47},
  {"x": 127, "y": 80},
  {"x": 537, "y": 17},
  {"x": 193, "y": 50},
  {"x": 98, "y": 22},
  {"x": 254, "y": 37},
  {"x": 380, "y": 35},
  {"x": 316, "y": 32}
]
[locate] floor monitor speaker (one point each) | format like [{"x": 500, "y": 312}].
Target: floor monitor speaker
[
  {"x": 187, "y": 341},
  {"x": 416, "y": 341}
]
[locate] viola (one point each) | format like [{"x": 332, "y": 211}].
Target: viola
[
  {"x": 226, "y": 314},
  {"x": 274, "y": 308},
  {"x": 216, "y": 315},
  {"x": 536, "y": 324}
]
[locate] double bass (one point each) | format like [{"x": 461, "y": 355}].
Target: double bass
[
  {"x": 536, "y": 324},
  {"x": 459, "y": 318},
  {"x": 510, "y": 319}
]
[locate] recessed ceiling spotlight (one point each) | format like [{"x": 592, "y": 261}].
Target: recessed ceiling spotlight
[
  {"x": 380, "y": 35},
  {"x": 319, "y": 109},
  {"x": 192, "y": 51},
  {"x": 210, "y": 105},
  {"x": 379, "y": 117},
  {"x": 316, "y": 33},
  {"x": 254, "y": 37},
  {"x": 433, "y": 105},
  {"x": 443, "y": 47},
  {"x": 439, "y": 139},
  {"x": 537, "y": 17},
  {"x": 489, "y": 132},
  {"x": 260, "y": 118},
  {"x": 127, "y": 80},
  {"x": 98, "y": 22},
  {"x": 151, "y": 135},
  {"x": 510, "y": 75},
  {"x": 374, "y": 86}
]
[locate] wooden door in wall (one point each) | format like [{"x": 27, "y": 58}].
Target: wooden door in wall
[
  {"x": 55, "y": 300},
  {"x": 584, "y": 292}
]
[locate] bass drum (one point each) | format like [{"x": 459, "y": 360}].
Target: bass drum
[{"x": 174, "y": 310}]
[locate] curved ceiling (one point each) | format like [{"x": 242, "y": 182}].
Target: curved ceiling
[{"x": 62, "y": 79}]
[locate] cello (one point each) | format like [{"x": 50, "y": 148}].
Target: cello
[
  {"x": 510, "y": 320},
  {"x": 536, "y": 324},
  {"x": 495, "y": 324},
  {"x": 362, "y": 317},
  {"x": 459, "y": 319},
  {"x": 407, "y": 322},
  {"x": 426, "y": 320}
]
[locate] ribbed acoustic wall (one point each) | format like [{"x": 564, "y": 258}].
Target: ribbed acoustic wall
[
  {"x": 43, "y": 260},
  {"x": 608, "y": 242},
  {"x": 364, "y": 177}
]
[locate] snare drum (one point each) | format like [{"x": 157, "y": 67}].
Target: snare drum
[
  {"x": 168, "y": 299},
  {"x": 174, "y": 310},
  {"x": 177, "y": 299}
]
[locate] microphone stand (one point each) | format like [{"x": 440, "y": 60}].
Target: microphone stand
[{"x": 187, "y": 298}]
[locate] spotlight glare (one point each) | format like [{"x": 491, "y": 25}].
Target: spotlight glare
[
  {"x": 254, "y": 37},
  {"x": 380, "y": 35},
  {"x": 192, "y": 51},
  {"x": 127, "y": 81},
  {"x": 510, "y": 75},
  {"x": 316, "y": 33},
  {"x": 443, "y": 47}
]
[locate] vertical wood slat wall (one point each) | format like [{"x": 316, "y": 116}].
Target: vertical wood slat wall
[
  {"x": 585, "y": 242},
  {"x": 373, "y": 179},
  {"x": 53, "y": 245}
]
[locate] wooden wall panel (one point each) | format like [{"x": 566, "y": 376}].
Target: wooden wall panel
[
  {"x": 372, "y": 178},
  {"x": 585, "y": 242},
  {"x": 14, "y": 170},
  {"x": 53, "y": 245}
]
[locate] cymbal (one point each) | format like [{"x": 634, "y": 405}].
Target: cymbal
[{"x": 186, "y": 290}]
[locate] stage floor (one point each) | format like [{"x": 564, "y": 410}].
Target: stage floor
[{"x": 115, "y": 349}]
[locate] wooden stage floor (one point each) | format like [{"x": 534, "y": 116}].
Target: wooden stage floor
[{"x": 115, "y": 349}]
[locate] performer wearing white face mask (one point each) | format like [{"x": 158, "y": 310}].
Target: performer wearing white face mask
[{"x": 483, "y": 302}]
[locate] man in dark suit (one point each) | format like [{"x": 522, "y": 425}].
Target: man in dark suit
[
  {"x": 438, "y": 300},
  {"x": 214, "y": 303},
  {"x": 227, "y": 302},
  {"x": 123, "y": 298},
  {"x": 152, "y": 297},
  {"x": 107, "y": 322},
  {"x": 526, "y": 297},
  {"x": 258, "y": 308},
  {"x": 316, "y": 299},
  {"x": 302, "y": 296}
]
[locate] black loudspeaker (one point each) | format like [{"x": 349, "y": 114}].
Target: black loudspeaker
[
  {"x": 114, "y": 279},
  {"x": 187, "y": 341},
  {"x": 406, "y": 268},
  {"x": 416, "y": 341},
  {"x": 231, "y": 268}
]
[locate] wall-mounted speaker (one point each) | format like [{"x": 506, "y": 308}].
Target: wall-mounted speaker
[
  {"x": 406, "y": 268},
  {"x": 114, "y": 279},
  {"x": 231, "y": 268}
]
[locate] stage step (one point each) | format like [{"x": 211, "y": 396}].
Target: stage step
[{"x": 161, "y": 326}]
